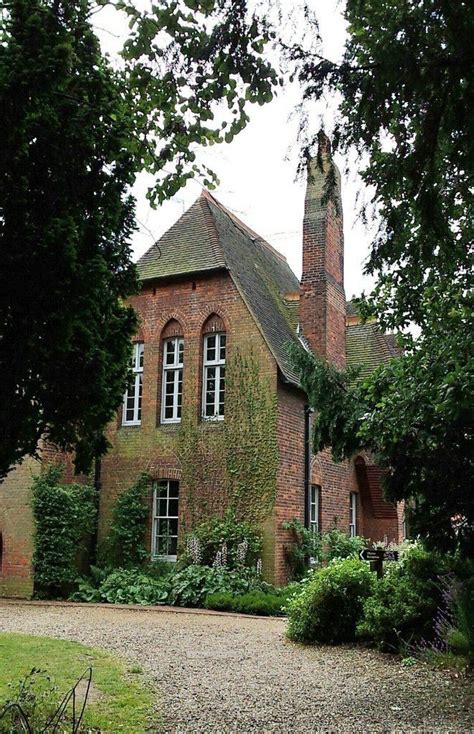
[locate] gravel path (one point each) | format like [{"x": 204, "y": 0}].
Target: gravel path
[{"x": 224, "y": 674}]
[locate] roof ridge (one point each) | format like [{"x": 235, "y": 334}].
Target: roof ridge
[
  {"x": 212, "y": 229},
  {"x": 239, "y": 223}
]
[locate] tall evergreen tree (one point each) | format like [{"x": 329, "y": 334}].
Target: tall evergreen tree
[{"x": 75, "y": 132}]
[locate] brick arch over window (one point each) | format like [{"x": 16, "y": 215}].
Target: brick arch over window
[
  {"x": 172, "y": 328},
  {"x": 213, "y": 323},
  {"x": 164, "y": 471}
]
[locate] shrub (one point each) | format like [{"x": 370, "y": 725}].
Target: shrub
[
  {"x": 330, "y": 605},
  {"x": 337, "y": 544},
  {"x": 303, "y": 546},
  {"x": 125, "y": 546},
  {"x": 221, "y": 601},
  {"x": 223, "y": 542},
  {"x": 306, "y": 544},
  {"x": 193, "y": 584},
  {"x": 253, "y": 602},
  {"x": 405, "y": 601},
  {"x": 462, "y": 637},
  {"x": 65, "y": 516},
  {"x": 129, "y": 586}
]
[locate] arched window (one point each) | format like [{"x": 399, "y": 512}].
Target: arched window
[
  {"x": 172, "y": 376},
  {"x": 132, "y": 401},
  {"x": 213, "y": 378}
]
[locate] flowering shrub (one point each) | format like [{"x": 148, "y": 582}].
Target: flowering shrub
[
  {"x": 330, "y": 605},
  {"x": 223, "y": 543},
  {"x": 193, "y": 584}
]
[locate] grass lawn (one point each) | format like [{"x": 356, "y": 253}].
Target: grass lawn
[{"x": 119, "y": 701}]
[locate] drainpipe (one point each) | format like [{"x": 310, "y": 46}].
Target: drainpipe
[
  {"x": 97, "y": 487},
  {"x": 307, "y": 463}
]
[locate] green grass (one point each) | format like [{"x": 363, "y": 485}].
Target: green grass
[{"x": 120, "y": 702}]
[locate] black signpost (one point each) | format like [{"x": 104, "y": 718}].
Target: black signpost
[{"x": 377, "y": 556}]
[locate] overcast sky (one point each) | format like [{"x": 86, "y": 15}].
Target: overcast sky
[{"x": 257, "y": 170}]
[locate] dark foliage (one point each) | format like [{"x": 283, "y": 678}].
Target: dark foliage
[{"x": 75, "y": 133}]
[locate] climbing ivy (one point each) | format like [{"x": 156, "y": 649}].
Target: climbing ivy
[
  {"x": 231, "y": 467},
  {"x": 65, "y": 516},
  {"x": 125, "y": 545}
]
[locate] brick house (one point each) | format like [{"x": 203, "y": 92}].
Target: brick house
[{"x": 212, "y": 288}]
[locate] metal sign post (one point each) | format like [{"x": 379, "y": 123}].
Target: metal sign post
[{"x": 377, "y": 556}]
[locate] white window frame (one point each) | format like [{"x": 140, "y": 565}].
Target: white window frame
[
  {"x": 353, "y": 514},
  {"x": 136, "y": 386},
  {"x": 314, "y": 505},
  {"x": 156, "y": 518},
  {"x": 175, "y": 368},
  {"x": 218, "y": 365}
]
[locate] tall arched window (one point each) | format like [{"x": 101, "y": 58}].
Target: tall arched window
[
  {"x": 172, "y": 376},
  {"x": 213, "y": 378},
  {"x": 132, "y": 401}
]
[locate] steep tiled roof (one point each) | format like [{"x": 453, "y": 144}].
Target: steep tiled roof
[
  {"x": 367, "y": 347},
  {"x": 189, "y": 246},
  {"x": 209, "y": 237}
]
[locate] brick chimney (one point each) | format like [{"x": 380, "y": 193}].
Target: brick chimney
[{"x": 323, "y": 302}]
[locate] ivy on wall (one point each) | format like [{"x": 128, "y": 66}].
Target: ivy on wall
[
  {"x": 230, "y": 467},
  {"x": 125, "y": 545},
  {"x": 65, "y": 517}
]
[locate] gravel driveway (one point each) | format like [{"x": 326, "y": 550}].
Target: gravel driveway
[{"x": 225, "y": 674}]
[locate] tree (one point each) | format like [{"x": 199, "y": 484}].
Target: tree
[
  {"x": 75, "y": 133},
  {"x": 406, "y": 83}
]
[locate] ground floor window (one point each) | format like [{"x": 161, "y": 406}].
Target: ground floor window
[
  {"x": 314, "y": 505},
  {"x": 353, "y": 514},
  {"x": 165, "y": 519}
]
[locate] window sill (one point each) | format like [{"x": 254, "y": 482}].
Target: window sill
[
  {"x": 131, "y": 425},
  {"x": 168, "y": 559}
]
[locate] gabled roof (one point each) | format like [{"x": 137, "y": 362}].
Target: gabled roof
[{"x": 209, "y": 237}]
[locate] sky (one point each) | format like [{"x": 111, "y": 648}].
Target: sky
[{"x": 257, "y": 171}]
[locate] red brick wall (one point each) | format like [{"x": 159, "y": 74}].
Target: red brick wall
[
  {"x": 151, "y": 446},
  {"x": 17, "y": 529},
  {"x": 290, "y": 486},
  {"x": 16, "y": 519}
]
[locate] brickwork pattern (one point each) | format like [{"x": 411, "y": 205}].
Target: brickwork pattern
[{"x": 194, "y": 305}]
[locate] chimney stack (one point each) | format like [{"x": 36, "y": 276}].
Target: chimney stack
[{"x": 323, "y": 301}]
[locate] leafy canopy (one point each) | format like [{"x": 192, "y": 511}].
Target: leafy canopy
[
  {"x": 76, "y": 132},
  {"x": 407, "y": 107}
]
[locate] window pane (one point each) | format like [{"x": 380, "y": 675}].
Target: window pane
[
  {"x": 162, "y": 507},
  {"x": 140, "y": 354},
  {"x": 222, "y": 347},
  {"x": 140, "y": 391},
  {"x": 173, "y": 508},
  {"x": 162, "y": 489},
  {"x": 172, "y": 546},
  {"x": 180, "y": 351},
  {"x": 161, "y": 545},
  {"x": 173, "y": 527},
  {"x": 170, "y": 348},
  {"x": 211, "y": 348},
  {"x": 173, "y": 488}
]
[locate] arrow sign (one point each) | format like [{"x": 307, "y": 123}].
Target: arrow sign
[{"x": 378, "y": 554}]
